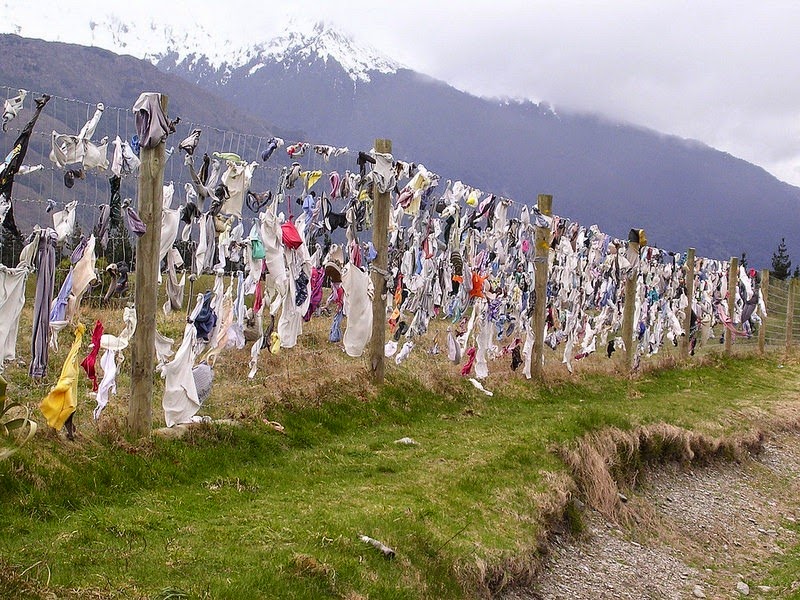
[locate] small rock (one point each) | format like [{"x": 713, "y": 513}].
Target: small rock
[
  {"x": 171, "y": 433},
  {"x": 764, "y": 589},
  {"x": 698, "y": 592},
  {"x": 623, "y": 497},
  {"x": 743, "y": 588},
  {"x": 407, "y": 441}
]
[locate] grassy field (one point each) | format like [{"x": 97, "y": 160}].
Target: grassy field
[
  {"x": 252, "y": 512},
  {"x": 249, "y": 511}
]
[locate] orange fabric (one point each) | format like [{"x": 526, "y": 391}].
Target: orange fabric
[{"x": 477, "y": 285}]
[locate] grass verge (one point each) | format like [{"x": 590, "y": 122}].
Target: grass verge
[{"x": 250, "y": 512}]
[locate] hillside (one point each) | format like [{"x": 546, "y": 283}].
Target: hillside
[{"x": 682, "y": 192}]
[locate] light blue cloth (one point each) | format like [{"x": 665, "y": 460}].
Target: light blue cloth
[{"x": 59, "y": 310}]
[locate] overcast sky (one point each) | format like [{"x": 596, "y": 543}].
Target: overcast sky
[{"x": 724, "y": 72}]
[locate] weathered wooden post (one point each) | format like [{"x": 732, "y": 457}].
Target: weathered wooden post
[
  {"x": 733, "y": 282},
  {"x": 151, "y": 197},
  {"x": 687, "y": 319},
  {"x": 541, "y": 262},
  {"x": 380, "y": 239},
  {"x": 631, "y": 284},
  {"x": 790, "y": 314},
  {"x": 762, "y": 328}
]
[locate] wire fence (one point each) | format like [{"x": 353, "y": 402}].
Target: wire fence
[
  {"x": 779, "y": 294},
  {"x": 48, "y": 188}
]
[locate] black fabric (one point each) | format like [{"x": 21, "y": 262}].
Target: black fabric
[
  {"x": 189, "y": 211},
  {"x": 363, "y": 159},
  {"x": 256, "y": 202},
  {"x": 7, "y": 178},
  {"x": 204, "y": 170},
  {"x": 115, "y": 201},
  {"x": 516, "y": 358},
  {"x": 301, "y": 289}
]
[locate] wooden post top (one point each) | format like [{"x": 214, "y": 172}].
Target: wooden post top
[
  {"x": 545, "y": 203},
  {"x": 383, "y": 146}
]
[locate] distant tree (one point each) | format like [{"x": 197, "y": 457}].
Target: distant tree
[
  {"x": 119, "y": 248},
  {"x": 796, "y": 273},
  {"x": 781, "y": 265},
  {"x": 10, "y": 248},
  {"x": 743, "y": 262}
]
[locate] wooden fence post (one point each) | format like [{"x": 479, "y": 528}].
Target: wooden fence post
[
  {"x": 631, "y": 284},
  {"x": 541, "y": 262},
  {"x": 380, "y": 233},
  {"x": 151, "y": 198},
  {"x": 762, "y": 328},
  {"x": 733, "y": 281},
  {"x": 687, "y": 319},
  {"x": 789, "y": 314}
]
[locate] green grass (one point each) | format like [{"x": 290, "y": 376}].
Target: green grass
[
  {"x": 784, "y": 577},
  {"x": 251, "y": 513}
]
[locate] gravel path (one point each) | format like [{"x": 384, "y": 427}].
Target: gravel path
[{"x": 702, "y": 533}]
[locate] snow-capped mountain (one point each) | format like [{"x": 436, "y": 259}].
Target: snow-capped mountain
[
  {"x": 318, "y": 81},
  {"x": 192, "y": 45}
]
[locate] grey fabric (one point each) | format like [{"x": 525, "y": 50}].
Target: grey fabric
[
  {"x": 174, "y": 287},
  {"x": 12, "y": 106},
  {"x": 190, "y": 142},
  {"x": 151, "y": 121},
  {"x": 203, "y": 376},
  {"x": 45, "y": 282},
  {"x": 210, "y": 234},
  {"x": 102, "y": 226}
]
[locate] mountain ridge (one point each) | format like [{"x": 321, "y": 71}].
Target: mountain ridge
[
  {"x": 683, "y": 192},
  {"x": 617, "y": 175}
]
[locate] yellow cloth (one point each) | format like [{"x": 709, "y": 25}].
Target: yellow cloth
[
  {"x": 310, "y": 177},
  {"x": 62, "y": 400},
  {"x": 274, "y": 343}
]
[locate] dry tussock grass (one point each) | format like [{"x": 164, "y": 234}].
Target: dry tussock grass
[{"x": 603, "y": 461}]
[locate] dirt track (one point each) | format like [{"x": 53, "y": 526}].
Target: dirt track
[{"x": 700, "y": 533}]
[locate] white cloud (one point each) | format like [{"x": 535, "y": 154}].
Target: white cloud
[{"x": 723, "y": 72}]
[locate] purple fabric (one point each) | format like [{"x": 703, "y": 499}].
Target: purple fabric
[
  {"x": 77, "y": 252},
  {"x": 46, "y": 258},
  {"x": 134, "y": 223},
  {"x": 317, "y": 277},
  {"x": 206, "y": 319},
  {"x": 151, "y": 122}
]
